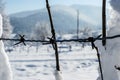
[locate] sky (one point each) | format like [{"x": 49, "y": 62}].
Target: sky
[{"x": 13, "y": 6}]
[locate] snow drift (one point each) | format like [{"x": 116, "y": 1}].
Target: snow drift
[
  {"x": 5, "y": 71},
  {"x": 111, "y": 56},
  {"x": 58, "y": 75}
]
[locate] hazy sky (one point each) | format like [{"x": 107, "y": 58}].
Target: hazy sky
[{"x": 13, "y": 6}]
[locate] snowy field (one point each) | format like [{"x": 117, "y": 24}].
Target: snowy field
[{"x": 76, "y": 64}]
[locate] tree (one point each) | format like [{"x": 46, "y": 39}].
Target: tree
[
  {"x": 86, "y": 32},
  {"x": 7, "y": 28},
  {"x": 41, "y": 31}
]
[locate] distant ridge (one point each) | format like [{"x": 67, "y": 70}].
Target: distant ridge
[{"x": 64, "y": 18}]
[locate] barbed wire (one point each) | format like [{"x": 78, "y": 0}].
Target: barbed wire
[{"x": 50, "y": 40}]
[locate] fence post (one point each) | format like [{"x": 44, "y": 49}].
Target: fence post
[
  {"x": 53, "y": 36},
  {"x": 104, "y": 22}
]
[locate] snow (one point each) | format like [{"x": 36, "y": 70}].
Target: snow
[
  {"x": 76, "y": 63},
  {"x": 79, "y": 63},
  {"x": 5, "y": 71},
  {"x": 58, "y": 75},
  {"x": 111, "y": 56}
]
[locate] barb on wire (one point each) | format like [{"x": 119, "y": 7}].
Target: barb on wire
[
  {"x": 117, "y": 67},
  {"x": 21, "y": 40},
  {"x": 51, "y": 41},
  {"x": 92, "y": 40}
]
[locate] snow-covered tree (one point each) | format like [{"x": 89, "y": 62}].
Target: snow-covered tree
[
  {"x": 7, "y": 28},
  {"x": 2, "y": 6},
  {"x": 5, "y": 69},
  {"x": 86, "y": 32},
  {"x": 41, "y": 31}
]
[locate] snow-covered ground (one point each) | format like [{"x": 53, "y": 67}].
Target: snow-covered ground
[{"x": 76, "y": 64}]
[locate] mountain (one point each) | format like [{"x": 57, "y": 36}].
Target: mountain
[
  {"x": 24, "y": 14},
  {"x": 64, "y": 18},
  {"x": 93, "y": 13}
]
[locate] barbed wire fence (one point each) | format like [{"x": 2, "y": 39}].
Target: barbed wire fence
[
  {"x": 53, "y": 41},
  {"x": 23, "y": 41},
  {"x": 50, "y": 40}
]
